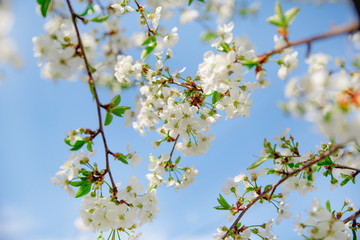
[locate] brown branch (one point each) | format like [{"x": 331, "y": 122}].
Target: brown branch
[
  {"x": 346, "y": 167},
  {"x": 141, "y": 11},
  {"x": 333, "y": 149},
  {"x": 336, "y": 31},
  {"x": 173, "y": 148},
  {"x": 357, "y": 8},
  {"x": 352, "y": 217},
  {"x": 98, "y": 104}
]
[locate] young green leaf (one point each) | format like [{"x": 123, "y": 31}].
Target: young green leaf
[
  {"x": 223, "y": 202},
  {"x": 208, "y": 36},
  {"x": 89, "y": 146},
  {"x": 225, "y": 46},
  {"x": 77, "y": 183},
  {"x": 78, "y": 145},
  {"x": 119, "y": 111},
  {"x": 149, "y": 49},
  {"x": 100, "y": 19},
  {"x": 108, "y": 118},
  {"x": 290, "y": 15},
  {"x": 87, "y": 10},
  {"x": 220, "y": 208},
  {"x": 190, "y": 2},
  {"x": 345, "y": 182},
  {"x": 177, "y": 160},
  {"x": 326, "y": 162},
  {"x": 44, "y": 6},
  {"x": 215, "y": 97},
  {"x": 122, "y": 159},
  {"x": 278, "y": 9},
  {"x": 328, "y": 206},
  {"x": 83, "y": 190},
  {"x": 275, "y": 20},
  {"x": 92, "y": 90},
  {"x": 116, "y": 100},
  {"x": 258, "y": 162},
  {"x": 151, "y": 39}
]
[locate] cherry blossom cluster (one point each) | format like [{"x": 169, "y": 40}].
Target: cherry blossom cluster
[
  {"x": 182, "y": 109},
  {"x": 325, "y": 223},
  {"x": 330, "y": 98},
  {"x": 159, "y": 167},
  {"x": 297, "y": 173},
  {"x": 8, "y": 52},
  {"x": 125, "y": 210}
]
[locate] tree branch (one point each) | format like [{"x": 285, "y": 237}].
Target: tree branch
[
  {"x": 173, "y": 148},
  {"x": 357, "y": 8},
  {"x": 98, "y": 104},
  {"x": 346, "y": 167},
  {"x": 333, "y": 149},
  {"x": 141, "y": 11},
  {"x": 336, "y": 31},
  {"x": 352, "y": 217}
]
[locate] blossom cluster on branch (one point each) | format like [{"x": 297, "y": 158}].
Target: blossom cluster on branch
[{"x": 182, "y": 109}]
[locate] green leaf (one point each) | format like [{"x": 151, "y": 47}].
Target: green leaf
[
  {"x": 278, "y": 9},
  {"x": 92, "y": 69},
  {"x": 89, "y": 7},
  {"x": 151, "y": 39},
  {"x": 78, "y": 145},
  {"x": 290, "y": 15},
  {"x": 326, "y": 162},
  {"x": 44, "y": 6},
  {"x": 333, "y": 181},
  {"x": 208, "y": 36},
  {"x": 249, "y": 63},
  {"x": 276, "y": 20},
  {"x": 345, "y": 182},
  {"x": 77, "y": 183},
  {"x": 108, "y": 118},
  {"x": 122, "y": 159},
  {"x": 223, "y": 202},
  {"x": 119, "y": 111},
  {"x": 100, "y": 18},
  {"x": 190, "y": 2},
  {"x": 83, "y": 190},
  {"x": 89, "y": 146},
  {"x": 177, "y": 160},
  {"x": 267, "y": 186},
  {"x": 220, "y": 208},
  {"x": 149, "y": 49},
  {"x": 92, "y": 90},
  {"x": 225, "y": 46},
  {"x": 215, "y": 97},
  {"x": 328, "y": 207},
  {"x": 116, "y": 100},
  {"x": 258, "y": 163}
]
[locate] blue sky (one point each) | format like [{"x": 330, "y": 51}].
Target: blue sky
[{"x": 36, "y": 114}]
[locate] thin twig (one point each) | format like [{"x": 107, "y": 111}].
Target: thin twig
[
  {"x": 141, "y": 11},
  {"x": 173, "y": 148},
  {"x": 336, "y": 31},
  {"x": 357, "y": 8},
  {"x": 274, "y": 186},
  {"x": 352, "y": 217},
  {"x": 346, "y": 167},
  {"x": 98, "y": 104}
]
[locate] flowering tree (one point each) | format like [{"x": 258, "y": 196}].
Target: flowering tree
[{"x": 84, "y": 40}]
